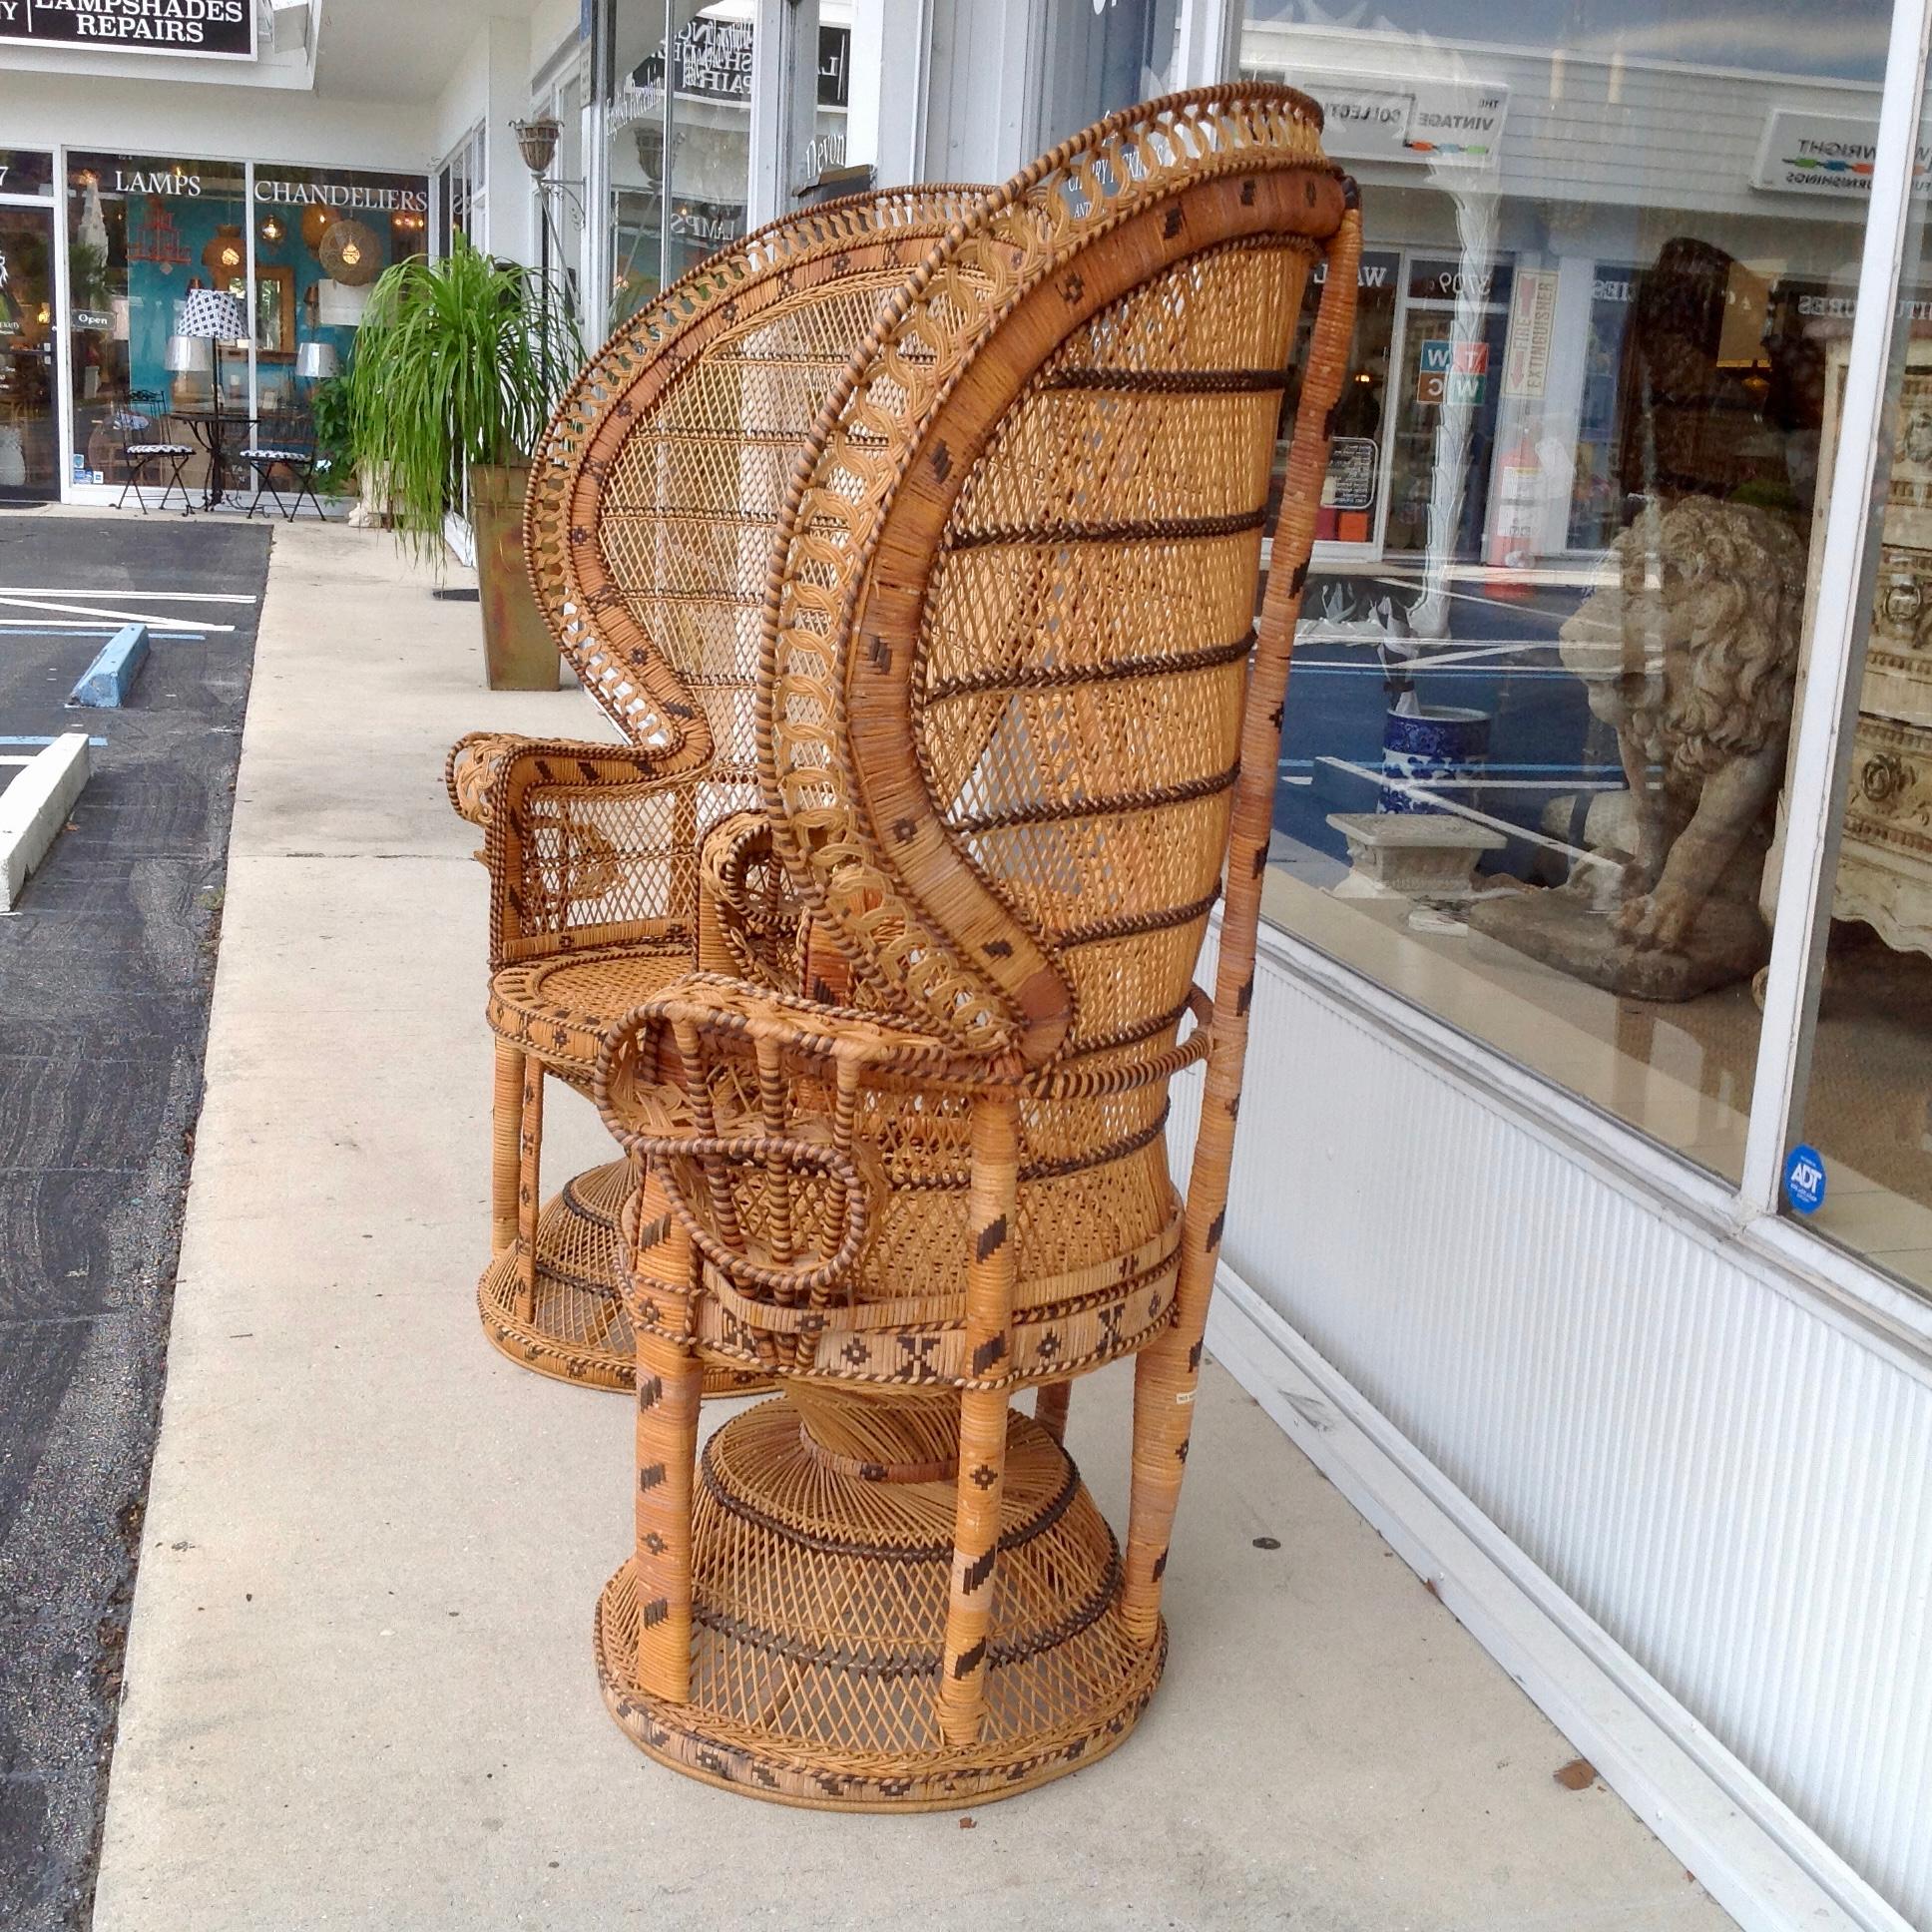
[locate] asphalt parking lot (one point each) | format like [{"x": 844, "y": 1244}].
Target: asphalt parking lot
[{"x": 106, "y": 969}]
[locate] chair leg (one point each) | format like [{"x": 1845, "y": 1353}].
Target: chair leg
[
  {"x": 982, "y": 1417},
  {"x": 1050, "y": 1406},
  {"x": 529, "y": 1186},
  {"x": 670, "y": 1389},
  {"x": 1165, "y": 1379},
  {"x": 506, "y": 1165},
  {"x": 265, "y": 480}
]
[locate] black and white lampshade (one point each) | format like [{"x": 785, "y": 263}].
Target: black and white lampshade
[{"x": 213, "y": 313}]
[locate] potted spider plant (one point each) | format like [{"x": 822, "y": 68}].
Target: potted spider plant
[{"x": 457, "y": 364}]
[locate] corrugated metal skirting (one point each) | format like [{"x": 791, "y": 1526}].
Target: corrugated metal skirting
[{"x": 1733, "y": 1487}]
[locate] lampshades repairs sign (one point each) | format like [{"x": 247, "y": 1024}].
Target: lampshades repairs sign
[{"x": 220, "y": 29}]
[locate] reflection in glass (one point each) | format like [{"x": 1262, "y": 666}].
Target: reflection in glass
[
  {"x": 1099, "y": 59},
  {"x": 1541, "y": 704},
  {"x": 678, "y": 143}
]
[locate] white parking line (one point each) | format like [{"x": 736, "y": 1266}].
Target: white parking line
[
  {"x": 147, "y": 597},
  {"x": 1440, "y": 803},
  {"x": 1513, "y": 606},
  {"x": 14, "y": 602}
]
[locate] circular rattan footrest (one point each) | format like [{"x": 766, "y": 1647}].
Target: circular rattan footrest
[
  {"x": 819, "y": 1605},
  {"x": 577, "y": 1329}
]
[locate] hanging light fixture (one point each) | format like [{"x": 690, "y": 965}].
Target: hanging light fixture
[
  {"x": 223, "y": 256},
  {"x": 273, "y": 228}
]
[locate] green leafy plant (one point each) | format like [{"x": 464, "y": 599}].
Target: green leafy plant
[
  {"x": 329, "y": 410},
  {"x": 86, "y": 274},
  {"x": 456, "y": 362}
]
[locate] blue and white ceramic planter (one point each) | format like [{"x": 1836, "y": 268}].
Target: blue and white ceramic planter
[{"x": 1438, "y": 749}]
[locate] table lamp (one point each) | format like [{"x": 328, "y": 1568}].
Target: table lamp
[
  {"x": 316, "y": 361},
  {"x": 186, "y": 356},
  {"x": 214, "y": 316}
]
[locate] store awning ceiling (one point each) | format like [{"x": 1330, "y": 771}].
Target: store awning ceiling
[{"x": 374, "y": 50}]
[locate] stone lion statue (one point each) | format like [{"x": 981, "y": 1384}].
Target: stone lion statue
[{"x": 1690, "y": 653}]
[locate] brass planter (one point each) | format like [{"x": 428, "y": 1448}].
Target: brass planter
[{"x": 519, "y": 653}]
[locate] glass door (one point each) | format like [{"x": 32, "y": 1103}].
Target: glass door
[
  {"x": 1457, "y": 326},
  {"x": 29, "y": 417}
]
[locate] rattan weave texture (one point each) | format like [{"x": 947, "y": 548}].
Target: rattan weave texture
[
  {"x": 614, "y": 868},
  {"x": 1016, "y": 728}
]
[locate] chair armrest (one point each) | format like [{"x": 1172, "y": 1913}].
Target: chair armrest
[
  {"x": 588, "y": 844},
  {"x": 476, "y": 759},
  {"x": 749, "y": 921},
  {"x": 720, "y": 1016},
  {"x": 471, "y": 768},
  {"x": 774, "y": 1197}
]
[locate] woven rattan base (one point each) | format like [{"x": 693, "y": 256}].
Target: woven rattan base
[
  {"x": 819, "y": 1601},
  {"x": 577, "y": 1329}
]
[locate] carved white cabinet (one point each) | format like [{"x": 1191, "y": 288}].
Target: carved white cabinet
[{"x": 1885, "y": 859}]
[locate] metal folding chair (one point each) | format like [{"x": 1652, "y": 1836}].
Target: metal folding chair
[
  {"x": 283, "y": 444},
  {"x": 141, "y": 422}
]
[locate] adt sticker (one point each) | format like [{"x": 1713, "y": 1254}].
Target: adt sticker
[{"x": 1804, "y": 1180}]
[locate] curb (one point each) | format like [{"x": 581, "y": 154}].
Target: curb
[{"x": 34, "y": 807}]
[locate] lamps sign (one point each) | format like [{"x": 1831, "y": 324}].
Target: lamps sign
[{"x": 217, "y": 29}]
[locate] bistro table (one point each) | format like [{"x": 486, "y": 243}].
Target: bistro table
[{"x": 215, "y": 430}]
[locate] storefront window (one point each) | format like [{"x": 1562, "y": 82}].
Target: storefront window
[
  {"x": 321, "y": 238},
  {"x": 141, "y": 234},
  {"x": 1098, "y": 59},
  {"x": 460, "y": 193},
  {"x": 1541, "y": 698}
]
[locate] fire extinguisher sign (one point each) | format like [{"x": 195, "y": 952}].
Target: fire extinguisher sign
[{"x": 1533, "y": 316}]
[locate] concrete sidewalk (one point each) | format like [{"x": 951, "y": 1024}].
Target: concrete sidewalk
[{"x": 359, "y": 1682}]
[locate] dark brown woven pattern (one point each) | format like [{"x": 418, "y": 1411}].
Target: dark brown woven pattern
[{"x": 1013, "y": 736}]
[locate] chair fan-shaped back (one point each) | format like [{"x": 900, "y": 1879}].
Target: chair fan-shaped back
[
  {"x": 1008, "y": 637},
  {"x": 658, "y": 485}
]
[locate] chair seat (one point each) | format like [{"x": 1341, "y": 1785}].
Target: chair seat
[
  {"x": 559, "y": 1008},
  {"x": 160, "y": 449},
  {"x": 257, "y": 455}
]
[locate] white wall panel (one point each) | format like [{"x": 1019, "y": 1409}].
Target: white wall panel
[{"x": 1729, "y": 1484}]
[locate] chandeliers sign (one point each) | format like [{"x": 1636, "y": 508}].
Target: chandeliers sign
[{"x": 211, "y": 29}]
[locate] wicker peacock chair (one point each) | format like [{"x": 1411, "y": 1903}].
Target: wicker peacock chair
[
  {"x": 614, "y": 868},
  {"x": 1015, "y": 725}
]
